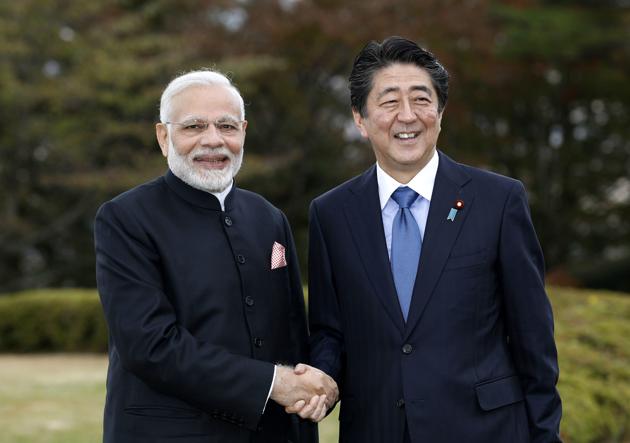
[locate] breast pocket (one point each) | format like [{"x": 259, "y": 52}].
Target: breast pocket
[{"x": 467, "y": 260}]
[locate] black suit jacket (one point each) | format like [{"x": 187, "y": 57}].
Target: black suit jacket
[
  {"x": 476, "y": 361},
  {"x": 196, "y": 315}
]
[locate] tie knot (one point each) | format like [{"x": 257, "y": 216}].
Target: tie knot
[{"x": 404, "y": 196}]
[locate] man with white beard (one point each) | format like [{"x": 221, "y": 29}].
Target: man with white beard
[{"x": 201, "y": 290}]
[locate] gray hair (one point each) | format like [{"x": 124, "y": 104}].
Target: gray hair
[{"x": 203, "y": 77}]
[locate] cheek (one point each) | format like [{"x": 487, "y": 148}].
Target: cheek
[
  {"x": 183, "y": 147},
  {"x": 430, "y": 116},
  {"x": 382, "y": 122},
  {"x": 235, "y": 146}
]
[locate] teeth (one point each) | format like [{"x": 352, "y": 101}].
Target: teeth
[{"x": 406, "y": 135}]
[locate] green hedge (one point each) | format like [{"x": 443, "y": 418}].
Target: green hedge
[
  {"x": 593, "y": 339},
  {"x": 64, "y": 320},
  {"x": 592, "y": 334}
]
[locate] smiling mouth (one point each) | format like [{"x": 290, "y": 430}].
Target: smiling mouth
[
  {"x": 212, "y": 161},
  {"x": 406, "y": 135}
]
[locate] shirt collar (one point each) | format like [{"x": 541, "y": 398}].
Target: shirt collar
[
  {"x": 422, "y": 183},
  {"x": 221, "y": 195}
]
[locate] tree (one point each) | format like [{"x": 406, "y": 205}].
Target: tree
[{"x": 538, "y": 92}]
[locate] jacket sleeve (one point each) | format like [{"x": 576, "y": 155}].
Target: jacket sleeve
[
  {"x": 529, "y": 318},
  {"x": 149, "y": 341},
  {"x": 324, "y": 314}
]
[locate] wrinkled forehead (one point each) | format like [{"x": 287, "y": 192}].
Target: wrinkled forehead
[
  {"x": 403, "y": 78},
  {"x": 208, "y": 102}
]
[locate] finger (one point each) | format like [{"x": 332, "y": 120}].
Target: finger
[
  {"x": 332, "y": 392},
  {"x": 320, "y": 411},
  {"x": 300, "y": 368},
  {"x": 307, "y": 411},
  {"x": 297, "y": 406}
]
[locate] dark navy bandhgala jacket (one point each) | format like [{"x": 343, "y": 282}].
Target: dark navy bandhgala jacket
[
  {"x": 476, "y": 361},
  {"x": 196, "y": 316}
]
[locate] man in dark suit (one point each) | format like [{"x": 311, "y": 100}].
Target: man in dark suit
[
  {"x": 200, "y": 286},
  {"x": 426, "y": 295}
]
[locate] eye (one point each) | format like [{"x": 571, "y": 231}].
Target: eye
[
  {"x": 227, "y": 127},
  {"x": 391, "y": 102},
  {"x": 195, "y": 125}
]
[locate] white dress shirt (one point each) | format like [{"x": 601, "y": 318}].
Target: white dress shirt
[{"x": 422, "y": 183}]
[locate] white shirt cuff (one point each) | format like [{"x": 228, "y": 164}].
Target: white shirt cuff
[{"x": 270, "y": 387}]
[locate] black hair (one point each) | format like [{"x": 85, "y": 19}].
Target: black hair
[{"x": 375, "y": 56}]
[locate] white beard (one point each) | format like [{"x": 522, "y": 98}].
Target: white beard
[{"x": 209, "y": 180}]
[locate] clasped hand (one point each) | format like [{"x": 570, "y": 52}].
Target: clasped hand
[{"x": 304, "y": 390}]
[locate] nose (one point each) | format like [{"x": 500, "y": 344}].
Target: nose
[
  {"x": 406, "y": 114},
  {"x": 211, "y": 137}
]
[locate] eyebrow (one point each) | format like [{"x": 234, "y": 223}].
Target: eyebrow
[
  {"x": 222, "y": 118},
  {"x": 397, "y": 89}
]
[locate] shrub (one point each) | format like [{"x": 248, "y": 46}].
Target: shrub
[
  {"x": 592, "y": 330},
  {"x": 64, "y": 320}
]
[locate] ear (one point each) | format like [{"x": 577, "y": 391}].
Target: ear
[
  {"x": 244, "y": 126},
  {"x": 439, "y": 120},
  {"x": 359, "y": 121},
  {"x": 161, "y": 133}
]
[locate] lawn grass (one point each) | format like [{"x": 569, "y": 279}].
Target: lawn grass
[
  {"x": 58, "y": 398},
  {"x": 52, "y": 398}
]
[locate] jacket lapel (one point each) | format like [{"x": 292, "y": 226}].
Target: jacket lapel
[
  {"x": 363, "y": 213},
  {"x": 440, "y": 234}
]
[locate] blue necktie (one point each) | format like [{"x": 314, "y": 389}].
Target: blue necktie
[{"x": 406, "y": 244}]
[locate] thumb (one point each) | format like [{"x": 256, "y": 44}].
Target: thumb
[{"x": 300, "y": 369}]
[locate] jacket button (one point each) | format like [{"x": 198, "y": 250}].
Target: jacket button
[
  {"x": 240, "y": 258},
  {"x": 249, "y": 301},
  {"x": 407, "y": 349},
  {"x": 227, "y": 220},
  {"x": 400, "y": 403},
  {"x": 258, "y": 342}
]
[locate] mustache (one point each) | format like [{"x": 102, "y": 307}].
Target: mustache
[{"x": 211, "y": 151}]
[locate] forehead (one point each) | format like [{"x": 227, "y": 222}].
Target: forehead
[
  {"x": 205, "y": 101},
  {"x": 404, "y": 77}
]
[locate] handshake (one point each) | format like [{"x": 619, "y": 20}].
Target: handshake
[{"x": 304, "y": 390}]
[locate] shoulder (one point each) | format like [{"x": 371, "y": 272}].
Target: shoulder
[
  {"x": 256, "y": 204},
  {"x": 135, "y": 197},
  {"x": 339, "y": 194},
  {"x": 489, "y": 183},
  {"x": 489, "y": 178}
]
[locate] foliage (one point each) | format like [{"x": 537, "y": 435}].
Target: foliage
[
  {"x": 592, "y": 331},
  {"x": 52, "y": 320},
  {"x": 538, "y": 92},
  {"x": 591, "y": 334}
]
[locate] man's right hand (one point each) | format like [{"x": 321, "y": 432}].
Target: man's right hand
[{"x": 304, "y": 390}]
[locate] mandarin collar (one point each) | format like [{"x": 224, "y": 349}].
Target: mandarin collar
[{"x": 196, "y": 196}]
